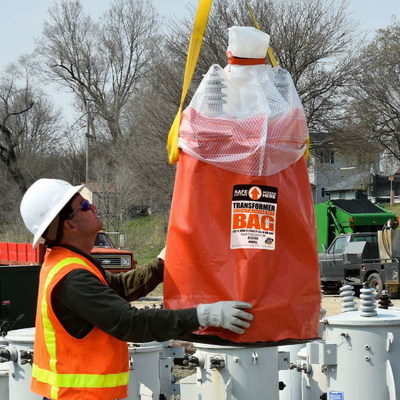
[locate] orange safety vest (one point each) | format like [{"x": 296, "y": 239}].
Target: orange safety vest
[{"x": 94, "y": 367}]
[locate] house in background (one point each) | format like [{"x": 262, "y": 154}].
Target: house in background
[{"x": 335, "y": 176}]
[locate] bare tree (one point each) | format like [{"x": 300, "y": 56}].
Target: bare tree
[
  {"x": 312, "y": 39},
  {"x": 375, "y": 109},
  {"x": 101, "y": 62},
  {"x": 71, "y": 155},
  {"x": 28, "y": 127}
]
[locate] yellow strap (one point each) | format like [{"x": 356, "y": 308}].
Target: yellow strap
[
  {"x": 307, "y": 152},
  {"x": 270, "y": 53},
  {"x": 199, "y": 27},
  {"x": 271, "y": 57}
]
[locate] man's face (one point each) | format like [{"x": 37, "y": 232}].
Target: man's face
[{"x": 87, "y": 222}]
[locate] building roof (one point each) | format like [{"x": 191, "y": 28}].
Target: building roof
[{"x": 349, "y": 180}]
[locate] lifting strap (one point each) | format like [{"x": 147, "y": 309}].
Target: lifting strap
[
  {"x": 199, "y": 27},
  {"x": 270, "y": 53}
]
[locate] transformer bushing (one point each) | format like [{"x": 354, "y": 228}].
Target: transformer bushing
[
  {"x": 348, "y": 299},
  {"x": 291, "y": 377},
  {"x": 215, "y": 92}
]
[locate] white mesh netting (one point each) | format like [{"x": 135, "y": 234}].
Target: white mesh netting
[{"x": 246, "y": 119}]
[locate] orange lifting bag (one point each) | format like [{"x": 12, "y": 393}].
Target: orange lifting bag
[{"x": 242, "y": 219}]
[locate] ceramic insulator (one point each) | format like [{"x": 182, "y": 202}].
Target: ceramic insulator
[
  {"x": 348, "y": 299},
  {"x": 367, "y": 302}
]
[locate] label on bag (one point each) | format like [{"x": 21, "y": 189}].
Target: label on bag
[
  {"x": 336, "y": 396},
  {"x": 253, "y": 220}
]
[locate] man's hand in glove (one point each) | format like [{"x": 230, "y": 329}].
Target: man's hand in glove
[{"x": 225, "y": 314}]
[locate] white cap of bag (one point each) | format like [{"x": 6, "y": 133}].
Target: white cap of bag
[{"x": 247, "y": 42}]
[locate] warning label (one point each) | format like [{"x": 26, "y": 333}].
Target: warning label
[
  {"x": 336, "y": 396},
  {"x": 253, "y": 222}
]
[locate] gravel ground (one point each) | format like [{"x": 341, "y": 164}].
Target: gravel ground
[{"x": 332, "y": 304}]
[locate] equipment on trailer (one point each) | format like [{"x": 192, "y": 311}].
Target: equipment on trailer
[
  {"x": 358, "y": 258},
  {"x": 335, "y": 217}
]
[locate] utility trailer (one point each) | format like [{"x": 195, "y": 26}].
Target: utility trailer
[{"x": 357, "y": 258}]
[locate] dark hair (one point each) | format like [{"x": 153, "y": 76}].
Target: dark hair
[{"x": 63, "y": 215}]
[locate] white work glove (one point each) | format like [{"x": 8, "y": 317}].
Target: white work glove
[
  {"x": 161, "y": 256},
  {"x": 225, "y": 314}
]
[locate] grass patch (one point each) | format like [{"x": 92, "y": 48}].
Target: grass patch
[
  {"x": 395, "y": 208},
  {"x": 145, "y": 236},
  {"x": 14, "y": 233}
]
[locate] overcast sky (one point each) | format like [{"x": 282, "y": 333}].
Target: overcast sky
[{"x": 22, "y": 20}]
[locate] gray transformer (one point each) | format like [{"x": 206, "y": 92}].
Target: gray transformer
[{"x": 361, "y": 356}]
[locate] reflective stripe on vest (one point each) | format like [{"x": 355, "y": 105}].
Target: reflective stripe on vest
[
  {"x": 81, "y": 380},
  {"x": 52, "y": 377}
]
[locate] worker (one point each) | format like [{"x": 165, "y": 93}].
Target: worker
[{"x": 84, "y": 317}]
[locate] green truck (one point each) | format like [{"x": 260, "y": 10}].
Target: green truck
[
  {"x": 335, "y": 217},
  {"x": 357, "y": 245}
]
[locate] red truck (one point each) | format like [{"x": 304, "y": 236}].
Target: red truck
[
  {"x": 110, "y": 257},
  {"x": 104, "y": 250}
]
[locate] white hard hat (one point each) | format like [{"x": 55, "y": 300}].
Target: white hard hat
[
  {"x": 247, "y": 42},
  {"x": 43, "y": 201}
]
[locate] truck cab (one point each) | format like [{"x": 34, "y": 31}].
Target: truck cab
[
  {"x": 331, "y": 262},
  {"x": 110, "y": 257}
]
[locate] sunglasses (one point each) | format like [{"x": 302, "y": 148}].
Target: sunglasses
[{"x": 86, "y": 205}]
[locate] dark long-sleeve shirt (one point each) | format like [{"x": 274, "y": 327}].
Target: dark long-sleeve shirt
[{"x": 81, "y": 301}]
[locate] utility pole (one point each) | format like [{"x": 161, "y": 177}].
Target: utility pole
[
  {"x": 89, "y": 135},
  {"x": 87, "y": 156},
  {"x": 391, "y": 179}
]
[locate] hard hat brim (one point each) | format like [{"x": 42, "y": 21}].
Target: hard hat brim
[{"x": 46, "y": 223}]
